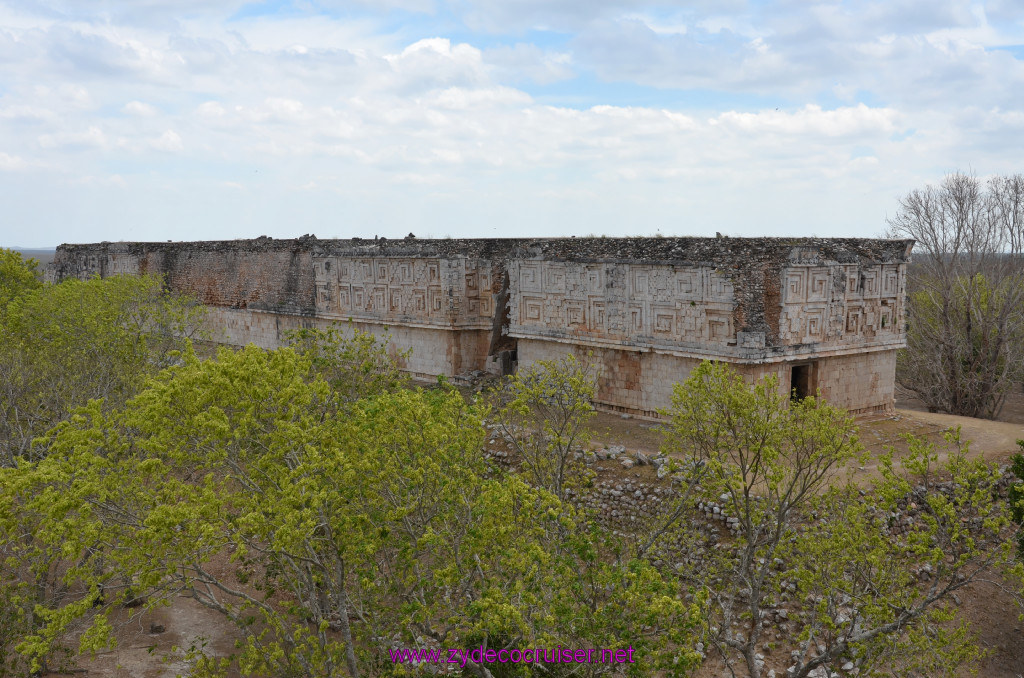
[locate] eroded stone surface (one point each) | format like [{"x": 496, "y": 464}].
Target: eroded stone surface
[{"x": 645, "y": 310}]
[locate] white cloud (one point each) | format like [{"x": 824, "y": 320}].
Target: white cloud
[
  {"x": 27, "y": 113},
  {"x": 503, "y": 16},
  {"x": 94, "y": 181},
  {"x": 168, "y": 141},
  {"x": 11, "y": 163},
  {"x": 210, "y": 109},
  {"x": 435, "y": 62},
  {"x": 658, "y": 26},
  {"x": 812, "y": 120},
  {"x": 457, "y": 98},
  {"x": 524, "y": 62},
  {"x": 139, "y": 108},
  {"x": 907, "y": 51},
  {"x": 640, "y": 116},
  {"x": 93, "y": 137}
]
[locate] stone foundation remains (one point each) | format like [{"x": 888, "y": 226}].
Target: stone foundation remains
[{"x": 825, "y": 315}]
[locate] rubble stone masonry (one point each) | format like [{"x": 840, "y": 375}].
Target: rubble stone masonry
[{"x": 824, "y": 315}]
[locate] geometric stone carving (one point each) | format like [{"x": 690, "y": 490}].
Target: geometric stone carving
[
  {"x": 796, "y": 281},
  {"x": 598, "y": 321},
  {"x": 687, "y": 329},
  {"x": 852, "y": 282},
  {"x": 870, "y": 284},
  {"x": 664, "y": 320},
  {"x": 554, "y": 278},
  {"x": 885, "y": 321},
  {"x": 575, "y": 314},
  {"x": 529, "y": 278},
  {"x": 636, "y": 319},
  {"x": 854, "y": 317},
  {"x": 533, "y": 309},
  {"x": 435, "y": 300},
  {"x": 720, "y": 287},
  {"x": 689, "y": 284},
  {"x": 820, "y": 285},
  {"x": 640, "y": 282},
  {"x": 815, "y": 324},
  {"x": 890, "y": 281},
  {"x": 719, "y": 326},
  {"x": 659, "y": 301}
]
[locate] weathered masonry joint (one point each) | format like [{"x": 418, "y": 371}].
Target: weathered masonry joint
[{"x": 825, "y": 315}]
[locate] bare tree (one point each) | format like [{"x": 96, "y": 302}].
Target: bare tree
[{"x": 965, "y": 338}]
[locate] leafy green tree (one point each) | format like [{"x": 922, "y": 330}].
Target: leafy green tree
[
  {"x": 354, "y": 527},
  {"x": 1016, "y": 495},
  {"x": 356, "y": 364},
  {"x": 606, "y": 591},
  {"x": 17, "y": 276},
  {"x": 763, "y": 459},
  {"x": 813, "y": 557},
  {"x": 61, "y": 345},
  {"x": 544, "y": 418},
  {"x": 882, "y": 567}
]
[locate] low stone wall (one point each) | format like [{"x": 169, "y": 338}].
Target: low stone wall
[
  {"x": 641, "y": 382},
  {"x": 433, "y": 351}
]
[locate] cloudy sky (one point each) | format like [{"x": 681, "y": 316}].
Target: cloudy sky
[{"x": 199, "y": 119}]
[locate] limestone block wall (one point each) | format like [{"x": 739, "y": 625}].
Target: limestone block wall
[
  {"x": 793, "y": 302},
  {"x": 641, "y": 382},
  {"x": 647, "y": 309},
  {"x": 262, "y": 274},
  {"x": 843, "y": 305},
  {"x": 434, "y": 352},
  {"x": 429, "y": 291},
  {"x": 637, "y": 382},
  {"x": 687, "y": 308},
  {"x": 860, "y": 383},
  {"x": 238, "y": 327},
  {"x": 765, "y": 306}
]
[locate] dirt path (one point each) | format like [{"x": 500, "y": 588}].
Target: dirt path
[
  {"x": 144, "y": 640},
  {"x": 993, "y": 440},
  {"x": 996, "y": 438}
]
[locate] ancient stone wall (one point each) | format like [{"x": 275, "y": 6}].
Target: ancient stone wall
[
  {"x": 821, "y": 314},
  {"x": 744, "y": 306},
  {"x": 431, "y": 292},
  {"x": 668, "y": 307},
  {"x": 260, "y": 274}
]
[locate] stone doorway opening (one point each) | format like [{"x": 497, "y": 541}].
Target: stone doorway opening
[{"x": 802, "y": 381}]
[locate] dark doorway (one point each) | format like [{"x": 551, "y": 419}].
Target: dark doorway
[{"x": 801, "y": 385}]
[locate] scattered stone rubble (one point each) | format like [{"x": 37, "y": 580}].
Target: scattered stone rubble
[{"x": 627, "y": 504}]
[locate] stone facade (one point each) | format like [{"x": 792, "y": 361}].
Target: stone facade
[{"x": 825, "y": 315}]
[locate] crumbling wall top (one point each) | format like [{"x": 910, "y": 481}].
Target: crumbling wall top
[{"x": 691, "y": 251}]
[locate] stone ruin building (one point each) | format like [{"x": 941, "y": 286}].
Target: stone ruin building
[{"x": 825, "y": 315}]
